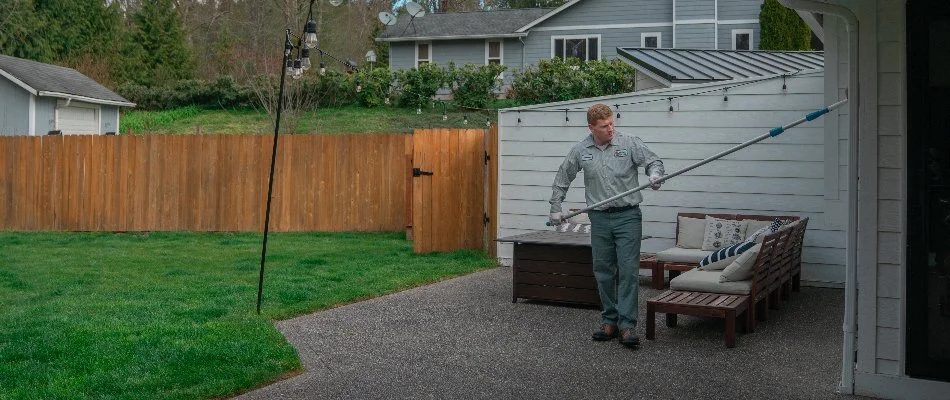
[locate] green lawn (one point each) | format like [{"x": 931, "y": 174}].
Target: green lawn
[
  {"x": 172, "y": 315},
  {"x": 325, "y": 120}
]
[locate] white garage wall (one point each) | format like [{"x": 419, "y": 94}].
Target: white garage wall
[{"x": 782, "y": 175}]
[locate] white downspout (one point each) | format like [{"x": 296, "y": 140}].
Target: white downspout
[{"x": 849, "y": 357}]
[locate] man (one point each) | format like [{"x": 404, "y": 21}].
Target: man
[{"x": 610, "y": 160}]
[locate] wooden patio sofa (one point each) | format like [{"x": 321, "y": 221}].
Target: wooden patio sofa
[{"x": 776, "y": 271}]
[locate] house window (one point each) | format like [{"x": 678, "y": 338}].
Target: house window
[
  {"x": 742, "y": 39},
  {"x": 585, "y": 48},
  {"x": 494, "y": 52},
  {"x": 423, "y": 53},
  {"x": 650, "y": 40}
]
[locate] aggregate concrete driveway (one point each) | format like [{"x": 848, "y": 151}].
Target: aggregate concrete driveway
[{"x": 464, "y": 338}]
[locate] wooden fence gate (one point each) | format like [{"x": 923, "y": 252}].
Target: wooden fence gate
[{"x": 451, "y": 185}]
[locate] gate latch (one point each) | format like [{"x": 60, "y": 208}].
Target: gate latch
[{"x": 418, "y": 172}]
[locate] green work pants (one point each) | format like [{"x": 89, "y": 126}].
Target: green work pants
[{"x": 615, "y": 244}]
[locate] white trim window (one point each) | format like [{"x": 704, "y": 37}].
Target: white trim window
[
  {"x": 423, "y": 53},
  {"x": 742, "y": 39},
  {"x": 494, "y": 52},
  {"x": 651, "y": 40},
  {"x": 583, "y": 47}
]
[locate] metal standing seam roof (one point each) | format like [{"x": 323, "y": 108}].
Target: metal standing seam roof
[
  {"x": 695, "y": 66},
  {"x": 54, "y": 81},
  {"x": 460, "y": 25}
]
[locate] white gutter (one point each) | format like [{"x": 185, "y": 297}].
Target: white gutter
[
  {"x": 70, "y": 97},
  {"x": 457, "y": 37},
  {"x": 848, "y": 357}
]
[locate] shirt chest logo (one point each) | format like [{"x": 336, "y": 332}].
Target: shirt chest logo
[
  {"x": 621, "y": 153},
  {"x": 587, "y": 157}
]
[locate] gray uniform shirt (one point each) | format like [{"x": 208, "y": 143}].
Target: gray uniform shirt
[{"x": 607, "y": 172}]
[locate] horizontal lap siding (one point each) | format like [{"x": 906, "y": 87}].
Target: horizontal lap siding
[
  {"x": 402, "y": 55},
  {"x": 14, "y": 109},
  {"x": 202, "y": 183},
  {"x": 695, "y": 36},
  {"x": 739, "y": 9},
  {"x": 605, "y": 12},
  {"x": 725, "y": 35},
  {"x": 460, "y": 52},
  {"x": 695, "y": 9},
  {"x": 778, "y": 176}
]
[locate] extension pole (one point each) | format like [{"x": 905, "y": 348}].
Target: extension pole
[{"x": 772, "y": 133}]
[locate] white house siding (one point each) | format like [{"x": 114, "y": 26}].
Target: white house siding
[
  {"x": 14, "y": 109},
  {"x": 881, "y": 267},
  {"x": 783, "y": 175},
  {"x": 696, "y": 36}
]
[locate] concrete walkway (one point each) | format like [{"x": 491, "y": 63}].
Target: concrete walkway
[{"x": 464, "y": 338}]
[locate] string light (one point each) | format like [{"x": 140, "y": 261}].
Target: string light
[
  {"x": 566, "y": 118},
  {"x": 519, "y": 117},
  {"x": 465, "y": 120},
  {"x": 671, "y": 104},
  {"x": 618, "y": 110},
  {"x": 784, "y": 85},
  {"x": 725, "y": 94}
]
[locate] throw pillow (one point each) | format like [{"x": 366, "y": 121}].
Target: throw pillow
[
  {"x": 576, "y": 228},
  {"x": 721, "y": 258},
  {"x": 722, "y": 233},
  {"x": 759, "y": 235},
  {"x": 689, "y": 232},
  {"x": 741, "y": 268}
]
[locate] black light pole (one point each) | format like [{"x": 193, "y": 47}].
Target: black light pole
[{"x": 288, "y": 48}]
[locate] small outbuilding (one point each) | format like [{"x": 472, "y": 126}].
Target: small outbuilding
[{"x": 38, "y": 98}]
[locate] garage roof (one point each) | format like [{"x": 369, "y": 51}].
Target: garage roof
[
  {"x": 49, "y": 80},
  {"x": 698, "y": 66}
]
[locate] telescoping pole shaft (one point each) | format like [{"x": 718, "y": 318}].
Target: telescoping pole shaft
[{"x": 772, "y": 133}]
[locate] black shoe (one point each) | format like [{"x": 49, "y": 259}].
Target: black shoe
[
  {"x": 629, "y": 338},
  {"x": 605, "y": 333}
]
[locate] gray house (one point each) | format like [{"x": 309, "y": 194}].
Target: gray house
[
  {"x": 586, "y": 29},
  {"x": 38, "y": 98}
]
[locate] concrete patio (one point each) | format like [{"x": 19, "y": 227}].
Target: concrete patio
[{"x": 464, "y": 338}]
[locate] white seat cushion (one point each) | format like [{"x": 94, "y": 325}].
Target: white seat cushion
[
  {"x": 708, "y": 281},
  {"x": 676, "y": 254},
  {"x": 689, "y": 232}
]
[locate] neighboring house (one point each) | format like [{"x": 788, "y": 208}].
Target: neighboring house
[
  {"x": 38, "y": 98},
  {"x": 586, "y": 29},
  {"x": 891, "y": 57},
  {"x": 663, "y": 68}
]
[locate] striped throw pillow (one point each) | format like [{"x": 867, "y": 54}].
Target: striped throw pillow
[{"x": 721, "y": 258}]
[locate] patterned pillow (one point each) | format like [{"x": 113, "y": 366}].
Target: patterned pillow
[
  {"x": 759, "y": 235},
  {"x": 722, "y": 233},
  {"x": 571, "y": 227},
  {"x": 721, "y": 258}
]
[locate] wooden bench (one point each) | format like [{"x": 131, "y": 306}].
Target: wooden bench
[{"x": 776, "y": 269}]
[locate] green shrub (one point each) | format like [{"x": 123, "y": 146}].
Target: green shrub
[
  {"x": 416, "y": 87},
  {"x": 375, "y": 87},
  {"x": 223, "y": 92},
  {"x": 475, "y": 86},
  {"x": 561, "y": 80}
]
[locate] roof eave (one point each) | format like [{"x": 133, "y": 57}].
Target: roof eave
[
  {"x": 546, "y": 16},
  {"x": 454, "y": 37},
  {"x": 85, "y": 99},
  {"x": 18, "y": 82}
]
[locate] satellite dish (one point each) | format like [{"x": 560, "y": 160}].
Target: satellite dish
[
  {"x": 414, "y": 9},
  {"x": 387, "y": 18}
]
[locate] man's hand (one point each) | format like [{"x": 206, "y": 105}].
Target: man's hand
[
  {"x": 556, "y": 219},
  {"x": 655, "y": 182}
]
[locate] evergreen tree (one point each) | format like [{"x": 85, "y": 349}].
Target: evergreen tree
[
  {"x": 158, "y": 45},
  {"x": 782, "y": 28}
]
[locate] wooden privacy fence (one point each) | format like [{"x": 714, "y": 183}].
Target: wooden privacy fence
[{"x": 203, "y": 183}]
